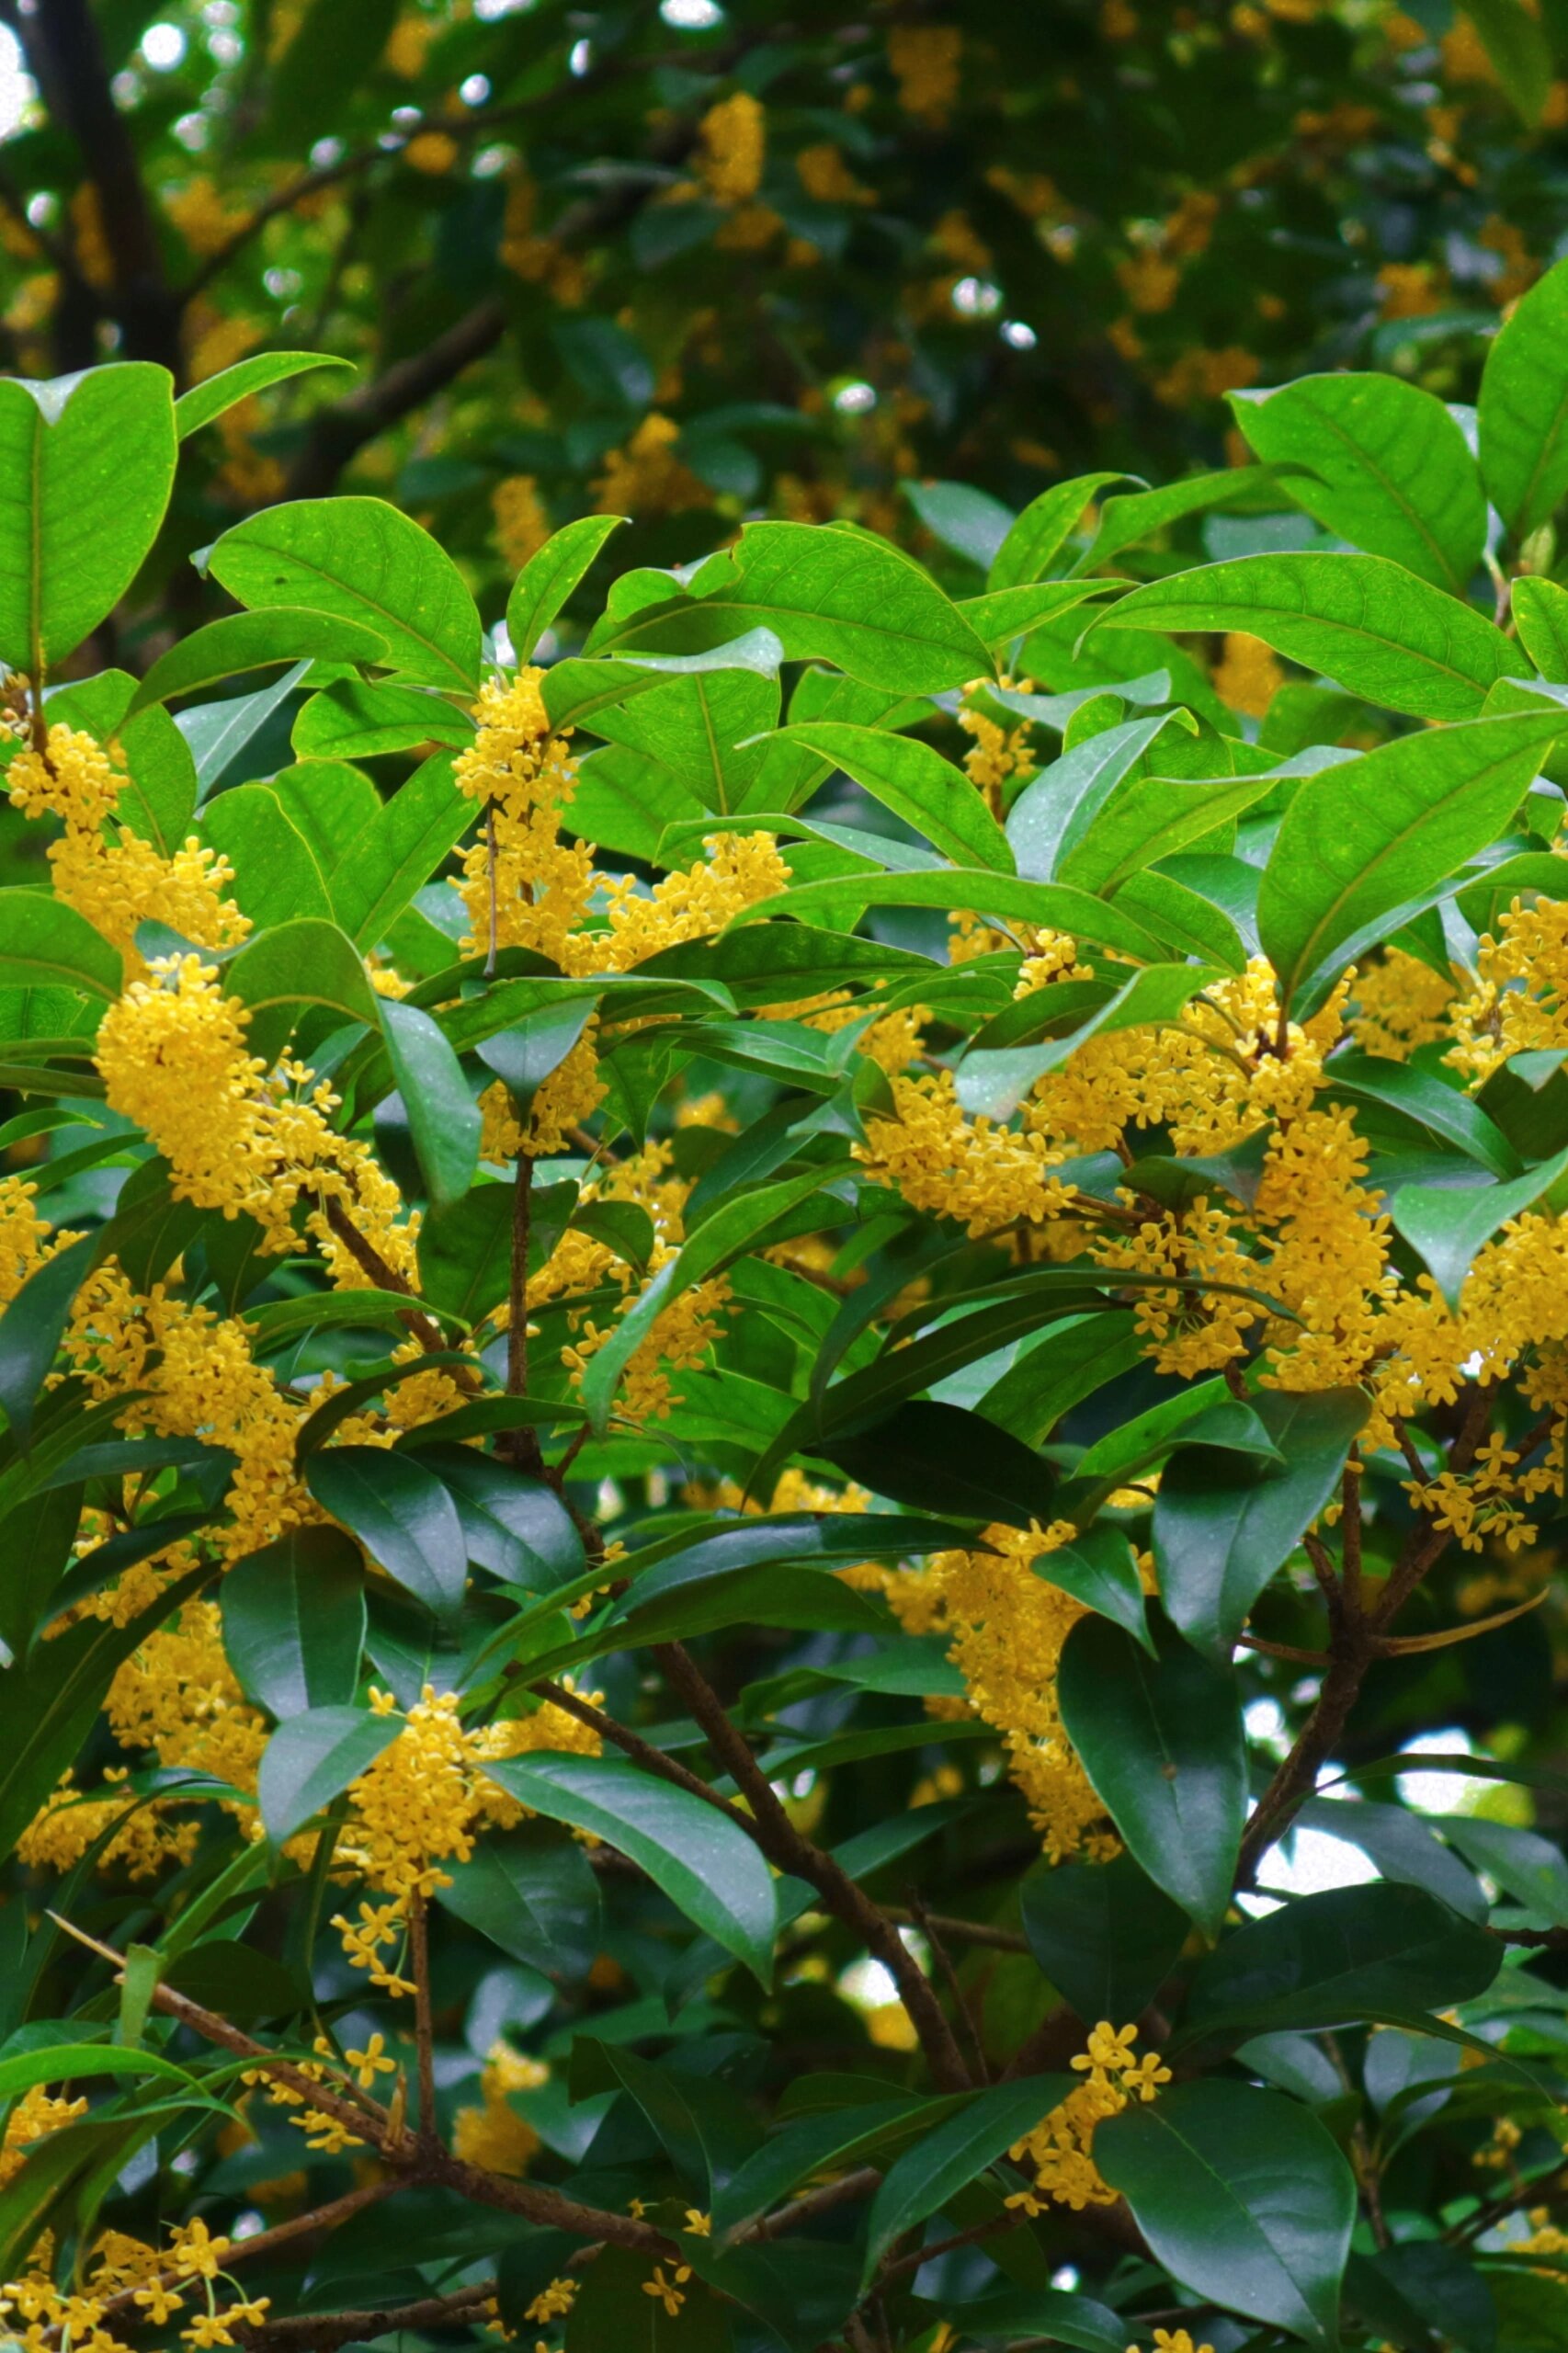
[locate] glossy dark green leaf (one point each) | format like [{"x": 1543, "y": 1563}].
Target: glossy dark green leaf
[
  {"x": 359, "y": 558},
  {"x": 401, "y": 1512},
  {"x": 1104, "y": 1934},
  {"x": 31, "y": 1326},
  {"x": 51, "y": 1701},
  {"x": 1161, "y": 1741},
  {"x": 1336, "y": 1958},
  {"x": 88, "y": 461},
  {"x": 954, "y": 2153},
  {"x": 277, "y": 876},
  {"x": 706, "y": 1865},
  {"x": 443, "y": 1117},
  {"x": 1419, "y": 1090},
  {"x": 1243, "y": 2196},
  {"x": 465, "y": 1252},
  {"x": 1361, "y": 842},
  {"x": 937, "y": 1458},
  {"x": 1447, "y": 1224},
  {"x": 1098, "y": 1569},
  {"x": 311, "y": 1759},
  {"x": 294, "y": 1620},
  {"x": 1381, "y": 463},
  {"x": 1362, "y": 621},
  {"x": 524, "y": 1056},
  {"x": 1050, "y": 904},
  {"x": 1423, "y": 2292},
  {"x": 1224, "y": 1524},
  {"x": 515, "y": 1525},
  {"x": 537, "y": 1899}
]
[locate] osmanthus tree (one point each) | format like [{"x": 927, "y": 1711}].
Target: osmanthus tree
[
  {"x": 689, "y": 261},
  {"x": 734, "y": 1369}
]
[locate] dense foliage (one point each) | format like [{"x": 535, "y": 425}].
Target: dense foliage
[
  {"x": 684, "y": 262},
  {"x": 783, "y": 1226}
]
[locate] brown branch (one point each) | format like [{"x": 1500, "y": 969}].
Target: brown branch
[
  {"x": 520, "y": 1445},
  {"x": 643, "y": 1751},
  {"x": 323, "y": 2332},
  {"x": 367, "y": 2119},
  {"x": 821, "y": 2200},
  {"x": 959, "y": 1932},
  {"x": 319, "y": 2218},
  {"x": 372, "y": 1263},
  {"x": 424, "y": 2023},
  {"x": 787, "y": 1847},
  {"x": 75, "y": 76}
]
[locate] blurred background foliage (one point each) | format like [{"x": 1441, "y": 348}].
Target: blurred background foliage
[{"x": 690, "y": 262}]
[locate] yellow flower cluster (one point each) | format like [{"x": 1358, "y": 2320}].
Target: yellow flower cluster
[
  {"x": 997, "y": 754},
  {"x": 104, "y": 869},
  {"x": 1520, "y": 1001},
  {"x": 118, "y": 2265},
  {"x": 522, "y": 526},
  {"x": 1400, "y": 1004},
  {"x": 1005, "y": 1625},
  {"x": 926, "y": 61},
  {"x": 420, "y": 1804},
  {"x": 646, "y": 477},
  {"x": 531, "y": 888},
  {"x": 492, "y": 2134},
  {"x": 1061, "y": 2148},
  {"x": 237, "y": 1138},
  {"x": 734, "y": 146}
]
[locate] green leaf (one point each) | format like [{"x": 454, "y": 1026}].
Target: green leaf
[
  {"x": 1078, "y": 1356},
  {"x": 356, "y": 720},
  {"x": 937, "y": 1458},
  {"x": 88, "y": 463},
  {"x": 53, "y": 1700},
  {"x": 1366, "y": 622},
  {"x": 1243, "y": 2196},
  {"x": 1380, "y": 461},
  {"x": 1520, "y": 50},
  {"x": 1523, "y": 408},
  {"x": 1161, "y": 1741},
  {"x": 916, "y": 783},
  {"x": 1003, "y": 614},
  {"x": 1339, "y": 1958},
  {"x": 255, "y": 641},
  {"x": 294, "y": 1620},
  {"x": 442, "y": 1115},
  {"x": 277, "y": 877},
  {"x": 706, "y": 1865},
  {"x": 1365, "y": 842},
  {"x": 1448, "y": 1224},
  {"x": 1051, "y": 813},
  {"x": 1144, "y": 818},
  {"x": 549, "y": 577},
  {"x": 45, "y": 943},
  {"x": 1420, "y": 1091},
  {"x": 401, "y": 1512},
  {"x": 537, "y": 1902},
  {"x": 1098, "y": 1569},
  {"x": 311, "y": 1759},
  {"x": 994, "y": 1082},
  {"x": 360, "y": 559},
  {"x": 1043, "y": 528},
  {"x": 211, "y": 399},
  {"x": 303, "y": 963},
  {"x": 1104, "y": 1934},
  {"x": 1008, "y": 896},
  {"x": 465, "y": 1253},
  {"x": 830, "y": 595},
  {"x": 614, "y": 2309},
  {"x": 1138, "y": 516},
  {"x": 1540, "y": 615},
  {"x": 737, "y": 1225},
  {"x": 815, "y": 2144},
  {"x": 970, "y": 521},
  {"x": 73, "y": 2063},
  {"x": 31, "y": 1326},
  {"x": 515, "y": 1525},
  {"x": 220, "y": 733},
  {"x": 1222, "y": 1529},
  {"x": 955, "y": 2153}
]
